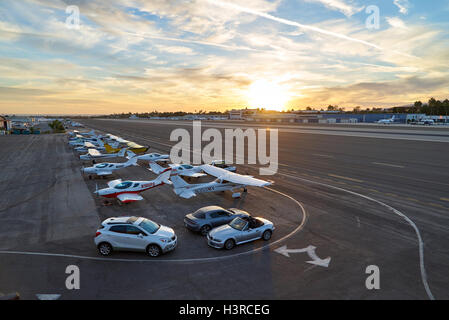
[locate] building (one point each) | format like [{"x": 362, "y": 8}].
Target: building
[
  {"x": 5, "y": 124},
  {"x": 236, "y": 114}
]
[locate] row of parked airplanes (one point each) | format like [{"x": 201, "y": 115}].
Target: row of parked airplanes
[
  {"x": 128, "y": 191},
  {"x": 224, "y": 228}
]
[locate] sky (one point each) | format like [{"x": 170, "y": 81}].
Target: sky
[{"x": 191, "y": 55}]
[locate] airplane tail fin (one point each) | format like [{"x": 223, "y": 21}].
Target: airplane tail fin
[
  {"x": 130, "y": 154},
  {"x": 100, "y": 143},
  {"x": 131, "y": 162},
  {"x": 178, "y": 182},
  {"x": 108, "y": 148},
  {"x": 393, "y": 118},
  {"x": 122, "y": 152},
  {"x": 157, "y": 169},
  {"x": 163, "y": 178}
]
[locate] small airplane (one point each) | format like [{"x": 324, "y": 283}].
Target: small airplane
[
  {"x": 178, "y": 169},
  {"x": 149, "y": 156},
  {"x": 226, "y": 180},
  {"x": 93, "y": 154},
  {"x": 106, "y": 168},
  {"x": 131, "y": 146},
  {"x": 128, "y": 191},
  {"x": 386, "y": 121},
  {"x": 88, "y": 145}
]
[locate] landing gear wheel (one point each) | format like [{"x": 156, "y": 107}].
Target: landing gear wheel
[
  {"x": 266, "y": 235},
  {"x": 154, "y": 250},
  {"x": 229, "y": 244},
  {"x": 205, "y": 230},
  {"x": 105, "y": 249}
]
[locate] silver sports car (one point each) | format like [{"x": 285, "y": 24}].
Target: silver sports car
[{"x": 240, "y": 230}]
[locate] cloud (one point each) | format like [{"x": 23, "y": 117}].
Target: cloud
[
  {"x": 403, "y": 5},
  {"x": 396, "y": 22},
  {"x": 346, "y": 8},
  {"x": 292, "y": 23}
]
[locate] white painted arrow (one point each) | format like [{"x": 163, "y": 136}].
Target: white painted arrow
[{"x": 310, "y": 251}]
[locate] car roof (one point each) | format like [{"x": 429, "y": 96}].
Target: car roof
[
  {"x": 123, "y": 220},
  {"x": 211, "y": 208}
]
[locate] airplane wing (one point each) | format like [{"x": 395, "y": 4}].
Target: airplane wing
[
  {"x": 88, "y": 144},
  {"x": 187, "y": 194},
  {"x": 192, "y": 174},
  {"x": 128, "y": 197},
  {"x": 104, "y": 173},
  {"x": 94, "y": 153},
  {"x": 113, "y": 183},
  {"x": 234, "y": 177}
]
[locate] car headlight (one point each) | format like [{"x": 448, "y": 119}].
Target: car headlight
[{"x": 164, "y": 240}]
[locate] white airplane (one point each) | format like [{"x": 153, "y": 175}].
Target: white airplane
[
  {"x": 93, "y": 154},
  {"x": 178, "y": 169},
  {"x": 149, "y": 156},
  {"x": 128, "y": 191},
  {"x": 106, "y": 168},
  {"x": 386, "y": 121},
  {"x": 226, "y": 180},
  {"x": 88, "y": 145}
]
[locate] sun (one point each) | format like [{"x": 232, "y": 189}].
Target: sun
[{"x": 268, "y": 95}]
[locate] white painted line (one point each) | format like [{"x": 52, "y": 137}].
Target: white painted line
[
  {"x": 345, "y": 178},
  {"x": 388, "y": 165},
  {"x": 395, "y": 211},
  {"x": 323, "y": 155},
  {"x": 444, "y": 199}
]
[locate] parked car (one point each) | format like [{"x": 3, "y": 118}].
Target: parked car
[
  {"x": 134, "y": 234},
  {"x": 239, "y": 231},
  {"x": 204, "y": 219}
]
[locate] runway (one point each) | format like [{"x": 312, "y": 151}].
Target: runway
[{"x": 345, "y": 180}]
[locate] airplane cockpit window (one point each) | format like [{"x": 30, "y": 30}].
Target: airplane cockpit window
[
  {"x": 135, "y": 185},
  {"x": 102, "y": 165},
  {"x": 123, "y": 185},
  {"x": 157, "y": 155},
  {"x": 186, "y": 166}
]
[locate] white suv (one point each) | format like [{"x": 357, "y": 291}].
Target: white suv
[{"x": 134, "y": 234}]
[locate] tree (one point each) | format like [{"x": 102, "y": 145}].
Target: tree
[{"x": 57, "y": 126}]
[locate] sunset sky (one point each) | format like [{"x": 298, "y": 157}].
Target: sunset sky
[{"x": 138, "y": 56}]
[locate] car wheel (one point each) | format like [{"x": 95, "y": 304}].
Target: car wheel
[
  {"x": 154, "y": 250},
  {"x": 266, "y": 235},
  {"x": 229, "y": 244},
  {"x": 105, "y": 249},
  {"x": 205, "y": 229}
]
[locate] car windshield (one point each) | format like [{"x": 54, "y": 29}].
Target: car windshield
[
  {"x": 238, "y": 224},
  {"x": 149, "y": 226}
]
